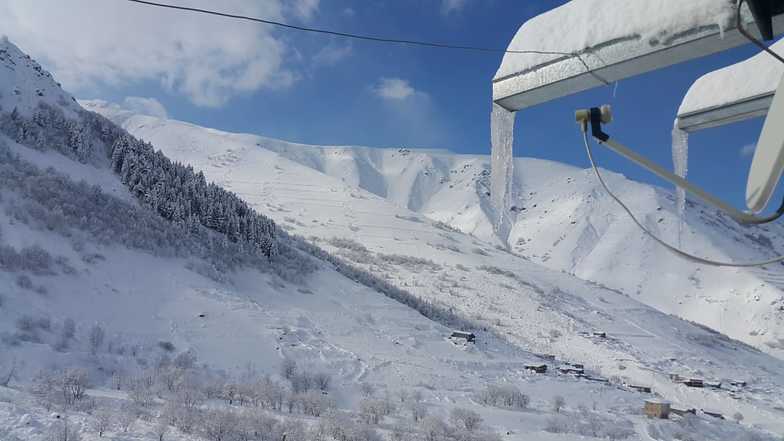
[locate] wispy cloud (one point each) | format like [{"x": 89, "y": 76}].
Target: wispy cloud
[
  {"x": 207, "y": 60},
  {"x": 450, "y": 6},
  {"x": 145, "y": 106},
  {"x": 305, "y": 10},
  {"x": 393, "y": 89},
  {"x": 332, "y": 54},
  {"x": 748, "y": 150}
]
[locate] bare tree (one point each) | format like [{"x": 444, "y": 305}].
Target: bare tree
[
  {"x": 46, "y": 389},
  {"x": 506, "y": 396},
  {"x": 8, "y": 373},
  {"x": 69, "y": 329},
  {"x": 400, "y": 433},
  {"x": 367, "y": 390},
  {"x": 434, "y": 429},
  {"x": 96, "y": 337},
  {"x": 314, "y": 403},
  {"x": 738, "y": 417},
  {"x": 186, "y": 359},
  {"x": 141, "y": 392},
  {"x": 557, "y": 425},
  {"x": 418, "y": 411},
  {"x": 126, "y": 417},
  {"x": 62, "y": 430},
  {"x": 171, "y": 378},
  {"x": 218, "y": 425},
  {"x": 118, "y": 379},
  {"x": 189, "y": 397},
  {"x": 322, "y": 380},
  {"x": 558, "y": 403},
  {"x": 465, "y": 419},
  {"x": 371, "y": 411},
  {"x": 288, "y": 369},
  {"x": 301, "y": 382},
  {"x": 73, "y": 383},
  {"x": 103, "y": 421},
  {"x": 161, "y": 428}
]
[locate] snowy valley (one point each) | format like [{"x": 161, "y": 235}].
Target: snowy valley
[{"x": 142, "y": 301}]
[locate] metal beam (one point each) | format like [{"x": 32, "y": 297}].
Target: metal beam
[
  {"x": 748, "y": 108},
  {"x": 613, "y": 61}
]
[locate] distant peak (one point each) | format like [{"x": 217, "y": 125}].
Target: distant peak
[{"x": 25, "y": 84}]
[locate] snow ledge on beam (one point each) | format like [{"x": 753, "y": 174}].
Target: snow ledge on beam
[
  {"x": 735, "y": 93},
  {"x": 617, "y": 39}
]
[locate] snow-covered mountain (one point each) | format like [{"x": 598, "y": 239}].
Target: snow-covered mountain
[
  {"x": 94, "y": 277},
  {"x": 563, "y": 219},
  {"x": 182, "y": 305},
  {"x": 541, "y": 310}
]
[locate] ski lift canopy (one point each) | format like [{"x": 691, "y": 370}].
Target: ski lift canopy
[
  {"x": 602, "y": 41},
  {"x": 735, "y": 93}
]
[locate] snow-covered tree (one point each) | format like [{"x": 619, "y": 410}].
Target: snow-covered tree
[
  {"x": 102, "y": 420},
  {"x": 465, "y": 419},
  {"x": 558, "y": 403},
  {"x": 95, "y": 337}
]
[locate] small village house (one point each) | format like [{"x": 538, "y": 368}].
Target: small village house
[
  {"x": 657, "y": 409},
  {"x": 468, "y": 337}
]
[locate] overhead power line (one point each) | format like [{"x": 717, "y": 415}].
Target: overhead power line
[{"x": 372, "y": 38}]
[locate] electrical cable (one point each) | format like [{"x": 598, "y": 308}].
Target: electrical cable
[
  {"x": 751, "y": 38},
  {"x": 370, "y": 37},
  {"x": 650, "y": 234}
]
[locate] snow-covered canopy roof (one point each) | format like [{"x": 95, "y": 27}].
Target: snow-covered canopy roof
[
  {"x": 614, "y": 38},
  {"x": 737, "y": 92}
]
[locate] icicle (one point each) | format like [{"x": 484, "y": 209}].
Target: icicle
[
  {"x": 501, "y": 167},
  {"x": 680, "y": 158}
]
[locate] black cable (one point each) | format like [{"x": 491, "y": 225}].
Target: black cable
[
  {"x": 370, "y": 37},
  {"x": 751, "y": 38}
]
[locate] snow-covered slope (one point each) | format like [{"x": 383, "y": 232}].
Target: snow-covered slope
[
  {"x": 26, "y": 83},
  {"x": 76, "y": 244},
  {"x": 140, "y": 289},
  {"x": 564, "y": 220},
  {"x": 62, "y": 262},
  {"x": 538, "y": 309}
]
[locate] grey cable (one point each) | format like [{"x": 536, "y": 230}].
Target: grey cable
[{"x": 661, "y": 242}]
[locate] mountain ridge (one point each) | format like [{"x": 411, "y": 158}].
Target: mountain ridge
[{"x": 564, "y": 221}]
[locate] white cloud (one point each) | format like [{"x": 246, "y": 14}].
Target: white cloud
[
  {"x": 145, "y": 106},
  {"x": 393, "y": 89},
  {"x": 305, "y": 10},
  {"x": 349, "y": 12},
  {"x": 748, "y": 150},
  {"x": 450, "y": 6},
  {"x": 332, "y": 54},
  {"x": 88, "y": 43}
]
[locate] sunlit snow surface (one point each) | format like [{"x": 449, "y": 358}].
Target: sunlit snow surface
[
  {"x": 680, "y": 158},
  {"x": 501, "y": 166}
]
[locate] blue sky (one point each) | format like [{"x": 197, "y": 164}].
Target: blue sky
[{"x": 325, "y": 90}]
